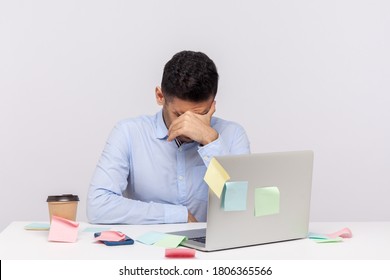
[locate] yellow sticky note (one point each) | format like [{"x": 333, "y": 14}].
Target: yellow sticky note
[
  {"x": 216, "y": 177},
  {"x": 267, "y": 201}
]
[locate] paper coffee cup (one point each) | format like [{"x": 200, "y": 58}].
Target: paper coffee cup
[{"x": 64, "y": 206}]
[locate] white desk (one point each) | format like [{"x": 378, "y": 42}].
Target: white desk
[{"x": 371, "y": 240}]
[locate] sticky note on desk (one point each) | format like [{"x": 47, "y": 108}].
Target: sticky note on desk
[
  {"x": 344, "y": 233},
  {"x": 267, "y": 201},
  {"x": 113, "y": 238},
  {"x": 170, "y": 241},
  {"x": 37, "y": 226},
  {"x": 96, "y": 229},
  {"x": 111, "y": 235},
  {"x": 337, "y": 236},
  {"x": 329, "y": 240},
  {"x": 316, "y": 236},
  {"x": 150, "y": 238},
  {"x": 216, "y": 177},
  {"x": 234, "y": 196},
  {"x": 63, "y": 230},
  {"x": 179, "y": 253}
]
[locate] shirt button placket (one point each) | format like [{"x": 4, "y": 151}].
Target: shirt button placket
[{"x": 181, "y": 174}]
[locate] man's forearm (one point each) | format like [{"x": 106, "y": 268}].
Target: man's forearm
[{"x": 105, "y": 207}]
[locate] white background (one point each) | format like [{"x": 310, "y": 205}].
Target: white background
[
  {"x": 278, "y": 269},
  {"x": 296, "y": 74}
]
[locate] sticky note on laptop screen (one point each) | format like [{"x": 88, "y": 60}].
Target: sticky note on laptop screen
[
  {"x": 216, "y": 177},
  {"x": 267, "y": 201},
  {"x": 234, "y": 196}
]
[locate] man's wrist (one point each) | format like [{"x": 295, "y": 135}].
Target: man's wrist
[
  {"x": 191, "y": 218},
  {"x": 210, "y": 137},
  {"x": 175, "y": 214}
]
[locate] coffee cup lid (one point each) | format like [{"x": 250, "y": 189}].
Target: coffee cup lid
[{"x": 62, "y": 198}]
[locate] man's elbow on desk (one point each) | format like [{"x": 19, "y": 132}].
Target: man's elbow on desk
[{"x": 92, "y": 213}]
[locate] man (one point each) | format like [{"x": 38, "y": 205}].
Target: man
[{"x": 152, "y": 167}]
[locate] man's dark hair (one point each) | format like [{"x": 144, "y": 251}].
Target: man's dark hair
[{"x": 190, "y": 76}]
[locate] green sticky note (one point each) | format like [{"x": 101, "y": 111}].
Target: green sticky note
[
  {"x": 267, "y": 201},
  {"x": 234, "y": 195},
  {"x": 170, "y": 241},
  {"x": 329, "y": 240}
]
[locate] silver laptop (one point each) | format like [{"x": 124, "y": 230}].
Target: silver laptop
[{"x": 282, "y": 179}]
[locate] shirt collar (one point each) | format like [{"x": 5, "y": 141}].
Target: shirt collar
[{"x": 161, "y": 129}]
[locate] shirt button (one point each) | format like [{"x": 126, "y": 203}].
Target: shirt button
[
  {"x": 181, "y": 178},
  {"x": 206, "y": 158},
  {"x": 180, "y": 149}
]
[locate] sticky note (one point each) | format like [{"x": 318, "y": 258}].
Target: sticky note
[
  {"x": 317, "y": 236},
  {"x": 37, "y": 226},
  {"x": 216, "y": 177},
  {"x": 96, "y": 229},
  {"x": 170, "y": 241},
  {"x": 234, "y": 196},
  {"x": 337, "y": 236},
  {"x": 345, "y": 233},
  {"x": 267, "y": 201},
  {"x": 179, "y": 253},
  {"x": 150, "y": 238},
  {"x": 329, "y": 240},
  {"x": 110, "y": 240},
  {"x": 111, "y": 235},
  {"x": 63, "y": 230}
]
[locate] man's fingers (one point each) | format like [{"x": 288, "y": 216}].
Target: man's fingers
[
  {"x": 175, "y": 127},
  {"x": 173, "y": 135},
  {"x": 191, "y": 218},
  {"x": 191, "y": 125}
]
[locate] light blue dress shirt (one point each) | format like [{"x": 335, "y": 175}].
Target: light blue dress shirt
[{"x": 141, "y": 178}]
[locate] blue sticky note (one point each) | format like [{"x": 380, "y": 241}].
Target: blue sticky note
[
  {"x": 312, "y": 235},
  {"x": 95, "y": 229},
  {"x": 323, "y": 238},
  {"x": 37, "y": 226},
  {"x": 329, "y": 240},
  {"x": 150, "y": 238},
  {"x": 234, "y": 196}
]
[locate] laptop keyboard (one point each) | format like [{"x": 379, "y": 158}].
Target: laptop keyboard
[{"x": 199, "y": 239}]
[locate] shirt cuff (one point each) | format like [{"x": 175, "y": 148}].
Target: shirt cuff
[
  {"x": 175, "y": 214},
  {"x": 210, "y": 150}
]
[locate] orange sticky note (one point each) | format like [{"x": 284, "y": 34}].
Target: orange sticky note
[{"x": 63, "y": 230}]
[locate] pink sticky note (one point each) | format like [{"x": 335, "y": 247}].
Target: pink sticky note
[
  {"x": 344, "y": 233},
  {"x": 63, "y": 230},
  {"x": 179, "y": 253},
  {"x": 111, "y": 235}
]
